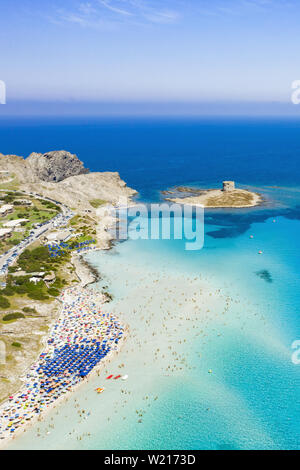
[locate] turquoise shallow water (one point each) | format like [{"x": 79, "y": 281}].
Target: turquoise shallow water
[
  {"x": 224, "y": 308},
  {"x": 251, "y": 398}
]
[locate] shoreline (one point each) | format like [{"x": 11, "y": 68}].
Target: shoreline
[
  {"x": 86, "y": 275},
  {"x": 59, "y": 401},
  {"x": 39, "y": 418},
  {"x": 4, "y": 442}
]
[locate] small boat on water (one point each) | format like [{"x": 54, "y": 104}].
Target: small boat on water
[
  {"x": 117, "y": 377},
  {"x": 109, "y": 377},
  {"x": 125, "y": 377},
  {"x": 99, "y": 390}
]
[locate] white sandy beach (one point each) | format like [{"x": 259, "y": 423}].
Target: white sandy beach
[{"x": 29, "y": 404}]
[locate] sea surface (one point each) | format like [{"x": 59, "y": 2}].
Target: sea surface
[{"x": 209, "y": 354}]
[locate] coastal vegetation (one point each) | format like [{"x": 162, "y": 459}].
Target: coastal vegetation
[
  {"x": 29, "y": 310},
  {"x": 11, "y": 184},
  {"x": 4, "y": 303},
  {"x": 13, "y": 316},
  {"x": 97, "y": 203},
  {"x": 39, "y": 259}
]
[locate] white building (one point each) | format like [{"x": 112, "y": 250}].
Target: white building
[
  {"x": 14, "y": 223},
  {"x": 5, "y": 233},
  {"x": 57, "y": 237},
  {"x": 6, "y": 209}
]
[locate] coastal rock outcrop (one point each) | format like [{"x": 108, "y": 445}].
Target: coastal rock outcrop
[
  {"x": 61, "y": 176},
  {"x": 55, "y": 166},
  {"x": 228, "y": 196}
]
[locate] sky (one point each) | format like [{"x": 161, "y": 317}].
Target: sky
[{"x": 154, "y": 51}]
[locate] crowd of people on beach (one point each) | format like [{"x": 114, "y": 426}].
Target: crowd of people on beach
[{"x": 79, "y": 340}]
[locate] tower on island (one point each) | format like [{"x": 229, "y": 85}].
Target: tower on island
[{"x": 228, "y": 186}]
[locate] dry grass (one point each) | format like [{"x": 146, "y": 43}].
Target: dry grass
[
  {"x": 236, "y": 198},
  {"x": 215, "y": 198}
]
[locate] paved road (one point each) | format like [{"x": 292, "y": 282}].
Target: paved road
[{"x": 9, "y": 258}]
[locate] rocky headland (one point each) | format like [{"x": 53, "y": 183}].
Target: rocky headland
[
  {"x": 55, "y": 166},
  {"x": 62, "y": 176}
]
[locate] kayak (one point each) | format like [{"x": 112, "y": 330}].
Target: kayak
[
  {"x": 117, "y": 377},
  {"x": 99, "y": 390},
  {"x": 109, "y": 377}
]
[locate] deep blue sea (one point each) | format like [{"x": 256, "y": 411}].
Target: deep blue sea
[
  {"x": 238, "y": 387},
  {"x": 153, "y": 154}
]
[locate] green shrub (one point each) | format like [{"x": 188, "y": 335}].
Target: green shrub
[
  {"x": 20, "y": 290},
  {"x": 50, "y": 205},
  {"x": 13, "y": 316},
  {"x": 12, "y": 269},
  {"x": 38, "y": 258},
  {"x": 38, "y": 296},
  {"x": 15, "y": 344},
  {"x": 8, "y": 290},
  {"x": 29, "y": 310},
  {"x": 54, "y": 292},
  {"x": 4, "y": 303}
]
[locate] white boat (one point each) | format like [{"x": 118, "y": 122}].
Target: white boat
[{"x": 125, "y": 377}]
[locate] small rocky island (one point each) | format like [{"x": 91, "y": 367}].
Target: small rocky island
[{"x": 228, "y": 196}]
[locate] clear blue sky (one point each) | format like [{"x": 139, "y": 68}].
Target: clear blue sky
[{"x": 150, "y": 50}]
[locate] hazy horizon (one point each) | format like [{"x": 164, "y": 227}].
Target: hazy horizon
[
  {"x": 224, "y": 57},
  {"x": 148, "y": 109}
]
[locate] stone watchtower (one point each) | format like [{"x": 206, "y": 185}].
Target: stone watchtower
[{"x": 228, "y": 186}]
